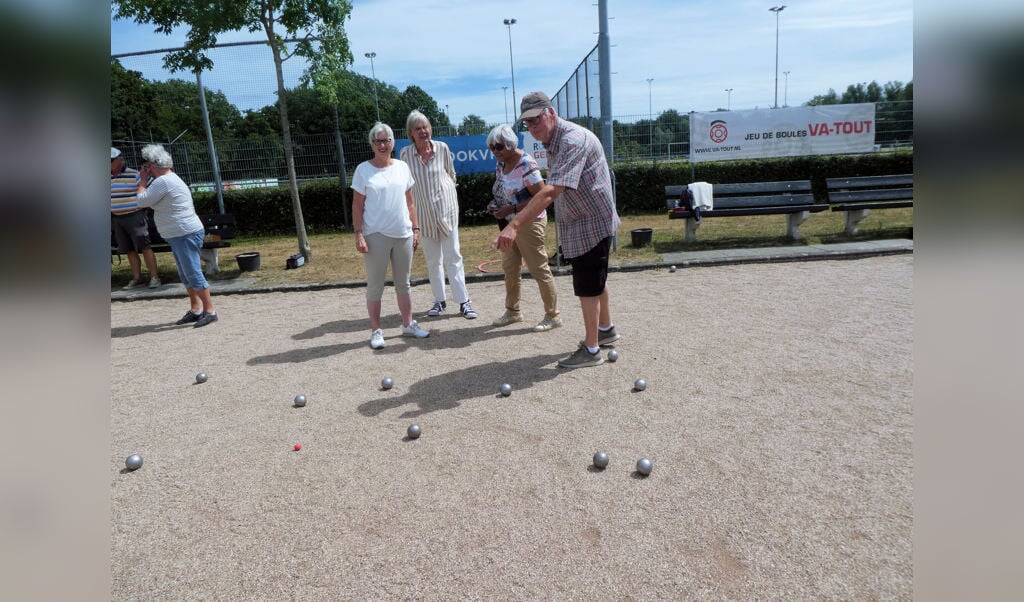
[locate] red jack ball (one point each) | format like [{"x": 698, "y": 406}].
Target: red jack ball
[{"x": 298, "y": 446}]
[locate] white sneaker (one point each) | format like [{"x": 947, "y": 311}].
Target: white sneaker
[
  {"x": 154, "y": 282},
  {"x": 507, "y": 318},
  {"x": 414, "y": 330},
  {"x": 547, "y": 324},
  {"x": 133, "y": 283},
  {"x": 377, "y": 339}
]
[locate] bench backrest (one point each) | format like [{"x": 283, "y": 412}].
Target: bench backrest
[
  {"x": 219, "y": 224},
  {"x": 754, "y": 194},
  {"x": 870, "y": 188},
  {"x": 222, "y": 225}
]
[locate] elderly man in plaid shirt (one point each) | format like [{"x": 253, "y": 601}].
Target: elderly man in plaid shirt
[{"x": 579, "y": 184}]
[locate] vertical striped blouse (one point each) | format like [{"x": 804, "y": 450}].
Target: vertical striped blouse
[{"x": 437, "y": 204}]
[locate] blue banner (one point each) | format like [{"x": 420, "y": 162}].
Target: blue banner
[{"x": 471, "y": 152}]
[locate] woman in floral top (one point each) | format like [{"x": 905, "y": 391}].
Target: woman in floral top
[{"x": 517, "y": 178}]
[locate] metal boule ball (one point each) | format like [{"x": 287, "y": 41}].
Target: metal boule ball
[
  {"x": 644, "y": 466},
  {"x": 300, "y": 401},
  {"x": 201, "y": 377},
  {"x": 640, "y": 384},
  {"x": 414, "y": 431},
  {"x": 387, "y": 383},
  {"x": 133, "y": 462},
  {"x": 601, "y": 460},
  {"x": 506, "y": 389},
  {"x": 671, "y": 268},
  {"x": 613, "y": 355}
]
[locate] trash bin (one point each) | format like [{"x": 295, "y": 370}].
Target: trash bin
[
  {"x": 248, "y": 262},
  {"x": 641, "y": 236}
]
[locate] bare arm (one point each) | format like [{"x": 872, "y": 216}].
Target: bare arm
[
  {"x": 412, "y": 217},
  {"x": 540, "y": 201},
  {"x": 506, "y": 210},
  {"x": 358, "y": 204}
]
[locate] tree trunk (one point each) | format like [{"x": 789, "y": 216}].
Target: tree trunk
[{"x": 289, "y": 157}]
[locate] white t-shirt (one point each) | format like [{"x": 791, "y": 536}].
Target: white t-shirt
[
  {"x": 385, "y": 210},
  {"x": 173, "y": 211}
]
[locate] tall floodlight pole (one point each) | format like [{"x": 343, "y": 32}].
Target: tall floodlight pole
[
  {"x": 777, "y": 10},
  {"x": 728, "y": 105},
  {"x": 508, "y": 24},
  {"x": 604, "y": 58},
  {"x": 376, "y": 102},
  {"x": 650, "y": 112},
  {"x": 785, "y": 93},
  {"x": 505, "y": 92}
]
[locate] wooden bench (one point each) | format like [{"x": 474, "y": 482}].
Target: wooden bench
[
  {"x": 856, "y": 196},
  {"x": 793, "y": 198},
  {"x": 220, "y": 229}
]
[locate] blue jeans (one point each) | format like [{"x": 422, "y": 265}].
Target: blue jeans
[{"x": 186, "y": 254}]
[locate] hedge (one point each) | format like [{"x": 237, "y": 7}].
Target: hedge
[{"x": 640, "y": 188}]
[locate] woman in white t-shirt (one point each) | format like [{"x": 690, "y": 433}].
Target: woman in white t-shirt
[{"x": 387, "y": 231}]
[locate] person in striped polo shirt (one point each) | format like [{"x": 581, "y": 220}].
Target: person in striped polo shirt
[
  {"x": 579, "y": 184},
  {"x": 129, "y": 222}
]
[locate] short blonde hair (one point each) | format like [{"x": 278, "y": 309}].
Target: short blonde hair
[{"x": 416, "y": 117}]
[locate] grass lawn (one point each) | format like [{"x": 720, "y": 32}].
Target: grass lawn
[{"x": 335, "y": 259}]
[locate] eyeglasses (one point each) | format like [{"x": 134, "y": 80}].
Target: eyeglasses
[
  {"x": 532, "y": 121},
  {"x": 382, "y": 141},
  {"x": 497, "y": 148}
]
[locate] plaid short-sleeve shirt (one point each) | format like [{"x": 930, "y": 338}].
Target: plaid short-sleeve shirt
[{"x": 585, "y": 211}]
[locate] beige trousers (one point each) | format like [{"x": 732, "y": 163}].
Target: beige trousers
[{"x": 529, "y": 249}]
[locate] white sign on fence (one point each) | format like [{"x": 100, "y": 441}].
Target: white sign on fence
[
  {"x": 786, "y": 132},
  {"x": 535, "y": 149}
]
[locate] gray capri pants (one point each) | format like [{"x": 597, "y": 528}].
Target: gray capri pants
[{"x": 382, "y": 251}]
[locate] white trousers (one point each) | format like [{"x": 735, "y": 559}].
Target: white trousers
[{"x": 443, "y": 255}]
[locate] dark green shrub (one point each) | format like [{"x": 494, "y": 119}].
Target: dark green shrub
[{"x": 639, "y": 188}]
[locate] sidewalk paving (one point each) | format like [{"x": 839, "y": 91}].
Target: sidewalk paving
[{"x": 680, "y": 259}]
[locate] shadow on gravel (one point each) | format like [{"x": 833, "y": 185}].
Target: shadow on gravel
[{"x": 446, "y": 391}]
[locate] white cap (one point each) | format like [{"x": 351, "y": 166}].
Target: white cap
[{"x": 114, "y": 153}]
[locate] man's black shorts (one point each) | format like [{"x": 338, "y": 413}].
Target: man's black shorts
[{"x": 590, "y": 270}]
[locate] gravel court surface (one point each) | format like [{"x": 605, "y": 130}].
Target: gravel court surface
[{"x": 778, "y": 415}]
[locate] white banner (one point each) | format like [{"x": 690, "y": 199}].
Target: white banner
[{"x": 786, "y": 132}]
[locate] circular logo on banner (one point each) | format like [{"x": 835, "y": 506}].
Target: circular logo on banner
[{"x": 718, "y": 131}]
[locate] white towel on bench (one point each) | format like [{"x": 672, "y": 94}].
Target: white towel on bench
[{"x": 702, "y": 195}]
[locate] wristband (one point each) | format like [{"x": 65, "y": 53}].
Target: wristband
[{"x": 358, "y": 230}]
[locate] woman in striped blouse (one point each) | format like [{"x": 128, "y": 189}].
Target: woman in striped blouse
[{"x": 433, "y": 169}]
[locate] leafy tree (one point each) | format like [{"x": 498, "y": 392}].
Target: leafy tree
[
  {"x": 255, "y": 125},
  {"x": 829, "y": 98},
  {"x": 132, "y": 103},
  {"x": 324, "y": 46},
  {"x": 472, "y": 124},
  {"x": 415, "y": 98},
  {"x": 179, "y": 115}
]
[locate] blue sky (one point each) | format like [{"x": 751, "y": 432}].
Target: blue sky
[{"x": 458, "y": 51}]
